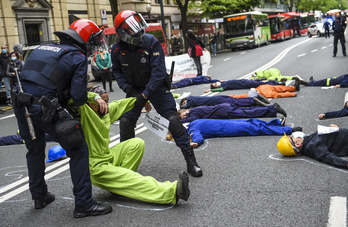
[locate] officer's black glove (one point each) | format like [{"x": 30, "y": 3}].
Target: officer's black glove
[
  {"x": 130, "y": 91},
  {"x": 140, "y": 101}
]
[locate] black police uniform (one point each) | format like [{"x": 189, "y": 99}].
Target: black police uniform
[
  {"x": 143, "y": 68},
  {"x": 51, "y": 70},
  {"x": 338, "y": 27}
]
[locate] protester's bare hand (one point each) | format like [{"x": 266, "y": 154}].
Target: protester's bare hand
[
  {"x": 193, "y": 144},
  {"x": 321, "y": 116},
  {"x": 337, "y": 86},
  {"x": 333, "y": 125},
  {"x": 206, "y": 91},
  {"x": 103, "y": 106}
]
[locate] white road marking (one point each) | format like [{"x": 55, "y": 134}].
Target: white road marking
[
  {"x": 314, "y": 50},
  {"x": 338, "y": 212},
  {"x": 324, "y": 47},
  {"x": 300, "y": 55},
  {"x": 226, "y": 59}
]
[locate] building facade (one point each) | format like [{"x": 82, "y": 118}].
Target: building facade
[{"x": 31, "y": 22}]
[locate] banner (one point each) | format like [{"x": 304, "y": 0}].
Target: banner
[
  {"x": 157, "y": 124},
  {"x": 185, "y": 66}
]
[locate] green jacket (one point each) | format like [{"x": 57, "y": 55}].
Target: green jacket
[
  {"x": 96, "y": 129},
  {"x": 270, "y": 74}
]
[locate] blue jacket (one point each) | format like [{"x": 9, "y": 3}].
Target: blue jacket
[
  {"x": 339, "y": 113},
  {"x": 194, "y": 101},
  {"x": 210, "y": 128},
  {"x": 193, "y": 81}
]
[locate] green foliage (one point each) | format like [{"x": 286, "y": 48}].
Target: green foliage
[
  {"x": 323, "y": 5},
  {"x": 219, "y": 8}
]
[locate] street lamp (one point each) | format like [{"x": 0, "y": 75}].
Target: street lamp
[{"x": 148, "y": 10}]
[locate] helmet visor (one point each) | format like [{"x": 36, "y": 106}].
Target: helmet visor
[
  {"x": 134, "y": 24},
  {"x": 97, "y": 41}
]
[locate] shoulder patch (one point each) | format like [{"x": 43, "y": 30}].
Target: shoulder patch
[{"x": 156, "y": 53}]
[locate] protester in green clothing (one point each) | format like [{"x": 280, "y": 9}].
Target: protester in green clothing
[
  {"x": 271, "y": 74},
  {"x": 114, "y": 169}
]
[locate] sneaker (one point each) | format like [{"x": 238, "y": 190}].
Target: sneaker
[
  {"x": 280, "y": 110},
  {"x": 2, "y": 111},
  {"x": 296, "y": 129},
  {"x": 334, "y": 55},
  {"x": 263, "y": 99},
  {"x": 41, "y": 203},
  {"x": 173, "y": 87},
  {"x": 95, "y": 210},
  {"x": 182, "y": 188},
  {"x": 311, "y": 79}
]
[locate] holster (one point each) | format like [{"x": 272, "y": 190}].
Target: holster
[
  {"x": 21, "y": 98},
  {"x": 70, "y": 134},
  {"x": 49, "y": 107}
]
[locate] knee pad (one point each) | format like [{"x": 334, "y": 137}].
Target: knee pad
[
  {"x": 126, "y": 128},
  {"x": 175, "y": 126}
]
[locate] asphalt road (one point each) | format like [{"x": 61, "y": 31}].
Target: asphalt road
[{"x": 246, "y": 182}]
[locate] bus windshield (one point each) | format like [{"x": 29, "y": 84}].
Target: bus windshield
[
  {"x": 238, "y": 25},
  {"x": 274, "y": 25}
]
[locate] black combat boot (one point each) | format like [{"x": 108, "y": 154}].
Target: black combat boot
[{"x": 192, "y": 166}]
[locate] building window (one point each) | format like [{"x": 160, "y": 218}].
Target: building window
[{"x": 33, "y": 34}]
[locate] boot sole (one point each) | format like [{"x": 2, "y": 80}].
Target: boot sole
[
  {"x": 82, "y": 215},
  {"x": 185, "y": 181}
]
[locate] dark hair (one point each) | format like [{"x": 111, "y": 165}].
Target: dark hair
[
  {"x": 182, "y": 101},
  {"x": 16, "y": 53},
  {"x": 212, "y": 86}
]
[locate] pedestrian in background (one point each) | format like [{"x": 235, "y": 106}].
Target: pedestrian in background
[
  {"x": 197, "y": 48},
  {"x": 213, "y": 42},
  {"x": 15, "y": 63},
  {"x": 338, "y": 28},
  {"x": 327, "y": 26},
  {"x": 103, "y": 61},
  {"x": 4, "y": 60}
]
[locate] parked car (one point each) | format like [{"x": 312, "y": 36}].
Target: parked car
[{"x": 317, "y": 29}]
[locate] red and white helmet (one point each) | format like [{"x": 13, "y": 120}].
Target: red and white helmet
[
  {"x": 84, "y": 33},
  {"x": 130, "y": 27}
]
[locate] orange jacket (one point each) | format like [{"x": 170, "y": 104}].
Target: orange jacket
[{"x": 276, "y": 91}]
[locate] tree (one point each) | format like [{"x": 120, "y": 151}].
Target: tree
[
  {"x": 183, "y": 6},
  {"x": 113, "y": 4}
]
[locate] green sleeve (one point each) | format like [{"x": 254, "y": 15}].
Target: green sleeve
[{"x": 217, "y": 89}]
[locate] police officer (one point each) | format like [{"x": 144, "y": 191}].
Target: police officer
[
  {"x": 338, "y": 27},
  {"x": 59, "y": 71},
  {"x": 139, "y": 67}
]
